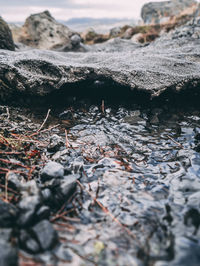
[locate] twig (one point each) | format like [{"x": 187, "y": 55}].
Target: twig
[
  {"x": 9, "y": 189},
  {"x": 10, "y": 152},
  {"x": 103, "y": 106},
  {"x": 14, "y": 171},
  {"x": 104, "y": 209},
  {"x": 6, "y": 186},
  {"x": 45, "y": 120},
  {"x": 44, "y": 130},
  {"x": 66, "y": 140},
  {"x": 18, "y": 164},
  {"x": 177, "y": 143},
  {"x": 8, "y": 113}
]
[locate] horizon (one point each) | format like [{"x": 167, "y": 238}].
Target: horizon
[{"x": 19, "y": 10}]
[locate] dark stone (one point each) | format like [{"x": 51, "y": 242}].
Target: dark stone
[
  {"x": 52, "y": 170},
  {"x": 68, "y": 185},
  {"x": 64, "y": 190},
  {"x": 6, "y": 40},
  {"x": 46, "y": 235},
  {"x": 8, "y": 215},
  {"x": 55, "y": 143},
  {"x": 29, "y": 204},
  {"x": 43, "y": 213},
  {"x": 6, "y": 234},
  {"x": 62, "y": 253},
  {"x": 192, "y": 217},
  {"x": 8, "y": 254},
  {"x": 28, "y": 243}
]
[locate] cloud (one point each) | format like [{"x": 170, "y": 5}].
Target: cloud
[{"x": 18, "y": 10}]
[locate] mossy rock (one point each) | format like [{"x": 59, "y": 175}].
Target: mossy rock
[{"x": 6, "y": 40}]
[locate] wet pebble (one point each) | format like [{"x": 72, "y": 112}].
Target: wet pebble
[
  {"x": 52, "y": 170},
  {"x": 8, "y": 214},
  {"x": 8, "y": 254},
  {"x": 45, "y": 234},
  {"x": 56, "y": 142}
]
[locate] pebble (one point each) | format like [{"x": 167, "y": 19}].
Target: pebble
[
  {"x": 8, "y": 254},
  {"x": 8, "y": 215},
  {"x": 52, "y": 170},
  {"x": 45, "y": 234}
]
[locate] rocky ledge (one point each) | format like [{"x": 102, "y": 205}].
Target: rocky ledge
[{"x": 171, "y": 62}]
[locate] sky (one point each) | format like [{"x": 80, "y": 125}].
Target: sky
[{"x": 19, "y": 10}]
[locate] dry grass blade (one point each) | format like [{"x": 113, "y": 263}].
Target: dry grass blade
[
  {"x": 177, "y": 143},
  {"x": 44, "y": 130},
  {"x": 45, "y": 120},
  {"x": 66, "y": 140}
]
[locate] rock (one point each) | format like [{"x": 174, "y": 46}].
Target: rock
[
  {"x": 8, "y": 215},
  {"x": 128, "y": 33},
  {"x": 15, "y": 180},
  {"x": 158, "y": 12},
  {"x": 137, "y": 37},
  {"x": 16, "y": 31},
  {"x": 186, "y": 252},
  {"x": 29, "y": 204},
  {"x": 45, "y": 234},
  {"x": 42, "y": 31},
  {"x": 114, "y": 32},
  {"x": 75, "y": 40},
  {"x": 88, "y": 35},
  {"x": 40, "y": 238},
  {"x": 91, "y": 37},
  {"x": 6, "y": 40},
  {"x": 28, "y": 243},
  {"x": 169, "y": 63},
  {"x": 55, "y": 143},
  {"x": 61, "y": 191},
  {"x": 5, "y": 234},
  {"x": 52, "y": 170},
  {"x": 68, "y": 185},
  {"x": 8, "y": 254}
]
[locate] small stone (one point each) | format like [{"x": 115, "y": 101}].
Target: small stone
[
  {"x": 15, "y": 180},
  {"x": 8, "y": 215},
  {"x": 5, "y": 234},
  {"x": 63, "y": 253},
  {"x": 75, "y": 40},
  {"x": 52, "y": 170},
  {"x": 55, "y": 143},
  {"x": 8, "y": 254},
  {"x": 28, "y": 243},
  {"x": 43, "y": 213},
  {"x": 45, "y": 234},
  {"x": 68, "y": 185},
  {"x": 28, "y": 207}
]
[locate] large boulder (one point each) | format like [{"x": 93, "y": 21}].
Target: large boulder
[
  {"x": 6, "y": 40},
  {"x": 170, "y": 63},
  {"x": 158, "y": 12},
  {"x": 42, "y": 31}
]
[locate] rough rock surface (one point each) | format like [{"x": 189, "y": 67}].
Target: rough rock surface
[
  {"x": 6, "y": 40},
  {"x": 8, "y": 254},
  {"x": 8, "y": 214},
  {"x": 170, "y": 62},
  {"x": 44, "y": 32},
  {"x": 157, "y": 12}
]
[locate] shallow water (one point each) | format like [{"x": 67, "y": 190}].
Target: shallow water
[{"x": 144, "y": 168}]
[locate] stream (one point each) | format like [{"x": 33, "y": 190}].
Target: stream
[{"x": 143, "y": 166}]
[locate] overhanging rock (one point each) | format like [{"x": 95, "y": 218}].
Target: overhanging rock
[{"x": 172, "y": 61}]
